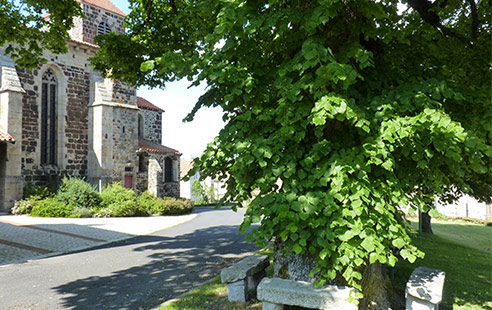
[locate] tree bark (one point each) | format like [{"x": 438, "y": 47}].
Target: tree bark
[
  {"x": 293, "y": 266},
  {"x": 374, "y": 288},
  {"x": 297, "y": 267},
  {"x": 426, "y": 223}
]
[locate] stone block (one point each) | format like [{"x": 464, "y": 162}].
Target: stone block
[
  {"x": 244, "y": 268},
  {"x": 424, "y": 288},
  {"x": 304, "y": 294},
  {"x": 244, "y": 276},
  {"x": 270, "y": 306},
  {"x": 237, "y": 291}
]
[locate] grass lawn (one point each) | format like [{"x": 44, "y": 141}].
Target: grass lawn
[{"x": 463, "y": 250}]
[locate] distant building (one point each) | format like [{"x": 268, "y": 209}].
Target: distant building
[
  {"x": 64, "y": 119},
  {"x": 467, "y": 207},
  {"x": 187, "y": 187}
]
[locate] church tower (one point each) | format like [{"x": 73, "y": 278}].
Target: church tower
[{"x": 101, "y": 16}]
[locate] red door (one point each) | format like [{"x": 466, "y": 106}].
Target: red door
[{"x": 128, "y": 181}]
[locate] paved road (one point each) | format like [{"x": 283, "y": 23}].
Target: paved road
[
  {"x": 24, "y": 238},
  {"x": 138, "y": 273}
]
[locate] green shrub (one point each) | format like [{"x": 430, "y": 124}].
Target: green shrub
[
  {"x": 148, "y": 202},
  {"x": 37, "y": 190},
  {"x": 127, "y": 208},
  {"x": 81, "y": 212},
  {"x": 78, "y": 193},
  {"x": 51, "y": 207},
  {"x": 121, "y": 201},
  {"x": 24, "y": 206},
  {"x": 115, "y": 193},
  {"x": 173, "y": 206}
]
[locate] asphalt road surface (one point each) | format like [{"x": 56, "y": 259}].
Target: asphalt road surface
[{"x": 138, "y": 273}]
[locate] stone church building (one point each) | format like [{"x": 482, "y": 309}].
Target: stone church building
[{"x": 65, "y": 119}]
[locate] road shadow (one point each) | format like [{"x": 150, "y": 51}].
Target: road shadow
[{"x": 178, "y": 264}]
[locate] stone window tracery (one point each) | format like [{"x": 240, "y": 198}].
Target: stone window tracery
[
  {"x": 103, "y": 28},
  {"x": 48, "y": 128}
]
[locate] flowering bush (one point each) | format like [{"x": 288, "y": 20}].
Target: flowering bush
[{"x": 23, "y": 206}]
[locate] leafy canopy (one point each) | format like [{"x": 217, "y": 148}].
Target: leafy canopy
[
  {"x": 28, "y": 26},
  {"x": 339, "y": 113}
]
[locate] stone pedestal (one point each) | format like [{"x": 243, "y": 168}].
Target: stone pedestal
[
  {"x": 243, "y": 278},
  {"x": 424, "y": 289}
]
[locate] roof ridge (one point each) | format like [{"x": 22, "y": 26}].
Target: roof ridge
[
  {"x": 144, "y": 103},
  {"x": 106, "y": 5}
]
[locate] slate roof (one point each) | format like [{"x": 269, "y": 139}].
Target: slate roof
[
  {"x": 5, "y": 136},
  {"x": 146, "y": 145},
  {"x": 106, "y": 5},
  {"x": 145, "y": 104}
]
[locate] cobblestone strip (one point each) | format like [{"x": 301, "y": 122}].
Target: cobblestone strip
[
  {"x": 43, "y": 239},
  {"x": 25, "y": 247},
  {"x": 13, "y": 255},
  {"x": 53, "y": 231}
]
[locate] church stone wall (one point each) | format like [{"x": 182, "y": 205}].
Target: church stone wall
[
  {"x": 73, "y": 91},
  {"x": 125, "y": 142},
  {"x": 86, "y": 29},
  {"x": 152, "y": 125}
]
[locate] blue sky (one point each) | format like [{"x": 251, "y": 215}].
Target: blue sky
[{"x": 177, "y": 101}]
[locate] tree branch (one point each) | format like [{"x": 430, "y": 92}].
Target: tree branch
[
  {"x": 474, "y": 16},
  {"x": 425, "y": 9}
]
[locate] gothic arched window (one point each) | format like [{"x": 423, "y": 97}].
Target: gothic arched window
[
  {"x": 48, "y": 118},
  {"x": 103, "y": 28}
]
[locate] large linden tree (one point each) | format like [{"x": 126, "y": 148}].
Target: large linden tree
[{"x": 339, "y": 114}]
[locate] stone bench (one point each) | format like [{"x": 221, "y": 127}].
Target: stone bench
[
  {"x": 243, "y": 277},
  {"x": 276, "y": 292},
  {"x": 424, "y": 289}
]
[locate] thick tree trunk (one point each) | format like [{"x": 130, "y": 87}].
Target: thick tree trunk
[
  {"x": 298, "y": 267},
  {"x": 294, "y": 267},
  {"x": 374, "y": 288},
  {"x": 426, "y": 223}
]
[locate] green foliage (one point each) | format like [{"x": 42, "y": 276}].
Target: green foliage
[
  {"x": 27, "y": 32},
  {"x": 205, "y": 194},
  {"x": 338, "y": 113},
  {"x": 36, "y": 190},
  {"x": 175, "y": 206},
  {"x": 79, "y": 212},
  {"x": 149, "y": 202},
  {"x": 78, "y": 193},
  {"x": 121, "y": 201},
  {"x": 51, "y": 207},
  {"x": 166, "y": 205},
  {"x": 76, "y": 198}
]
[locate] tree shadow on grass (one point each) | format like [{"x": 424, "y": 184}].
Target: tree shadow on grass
[{"x": 177, "y": 265}]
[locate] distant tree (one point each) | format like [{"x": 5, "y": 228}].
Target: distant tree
[
  {"x": 339, "y": 114},
  {"x": 28, "y": 27},
  {"x": 203, "y": 193}
]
